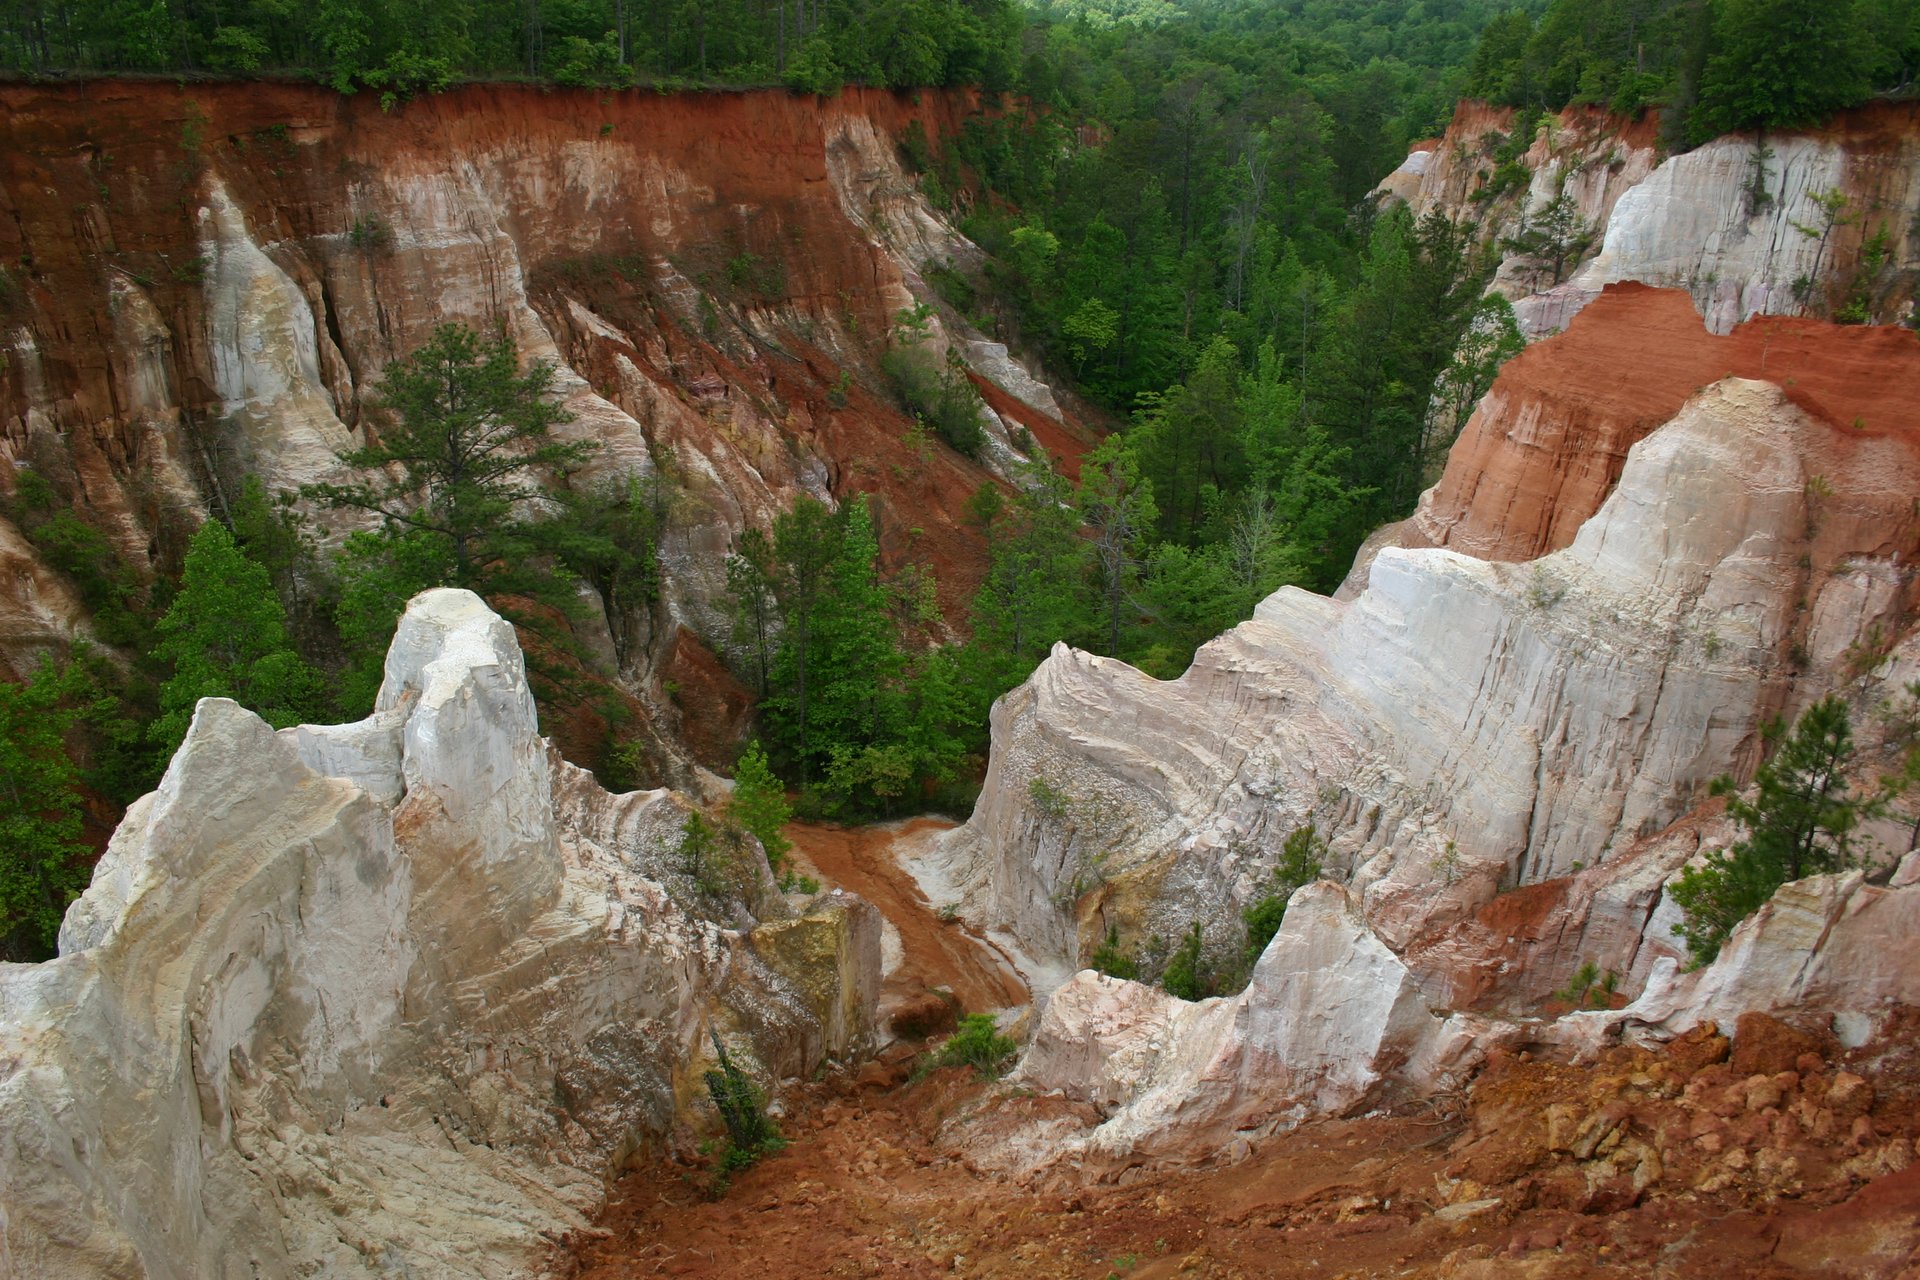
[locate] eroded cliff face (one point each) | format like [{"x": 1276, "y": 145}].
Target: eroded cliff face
[
  {"x": 389, "y": 997},
  {"x": 212, "y": 278},
  {"x": 1746, "y": 225},
  {"x": 1504, "y": 741}
]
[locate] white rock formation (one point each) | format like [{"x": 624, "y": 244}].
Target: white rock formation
[
  {"x": 1330, "y": 1021},
  {"x": 386, "y": 998},
  {"x": 1687, "y": 221},
  {"x": 1831, "y": 950},
  {"x": 264, "y": 348},
  {"x": 1458, "y": 727},
  {"x": 1690, "y": 225}
]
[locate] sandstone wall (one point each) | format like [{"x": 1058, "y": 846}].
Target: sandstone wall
[
  {"x": 1547, "y": 444},
  {"x": 1461, "y": 726},
  {"x": 392, "y": 997},
  {"x": 1688, "y": 221}
]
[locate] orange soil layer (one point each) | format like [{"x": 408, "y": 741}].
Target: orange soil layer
[
  {"x": 939, "y": 955},
  {"x": 1548, "y": 443},
  {"x": 1772, "y": 1165}
]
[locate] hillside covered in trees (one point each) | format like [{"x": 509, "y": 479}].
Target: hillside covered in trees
[{"x": 1712, "y": 66}]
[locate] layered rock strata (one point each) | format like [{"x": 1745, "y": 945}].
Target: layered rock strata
[
  {"x": 1773, "y": 225},
  {"x": 213, "y": 277},
  {"x": 390, "y": 997},
  {"x": 1547, "y": 444},
  {"x": 1461, "y": 726}
]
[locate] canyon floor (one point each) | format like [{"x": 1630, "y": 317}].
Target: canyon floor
[{"x": 1765, "y": 1157}]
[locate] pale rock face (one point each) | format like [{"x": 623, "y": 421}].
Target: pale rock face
[
  {"x": 1681, "y": 222},
  {"x": 1458, "y": 727},
  {"x": 1688, "y": 226},
  {"x": 334, "y": 241},
  {"x": 383, "y": 997},
  {"x": 265, "y": 352},
  {"x": 1329, "y": 1020},
  {"x": 1830, "y": 950}
]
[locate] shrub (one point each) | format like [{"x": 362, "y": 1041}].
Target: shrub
[
  {"x": 760, "y": 805},
  {"x": 751, "y": 1132},
  {"x": 978, "y": 1044},
  {"x": 1188, "y": 974},
  {"x": 1300, "y": 863},
  {"x": 942, "y": 397},
  {"x": 1109, "y": 959},
  {"x": 1588, "y": 989}
]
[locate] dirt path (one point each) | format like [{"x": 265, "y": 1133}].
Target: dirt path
[{"x": 936, "y": 954}]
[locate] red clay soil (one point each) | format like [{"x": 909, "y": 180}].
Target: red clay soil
[
  {"x": 1063, "y": 440},
  {"x": 1547, "y": 445},
  {"x": 940, "y": 955},
  {"x": 1646, "y": 1165}
]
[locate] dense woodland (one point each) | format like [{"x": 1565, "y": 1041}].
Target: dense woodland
[{"x": 1174, "y": 208}]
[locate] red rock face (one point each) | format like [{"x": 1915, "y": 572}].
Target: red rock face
[
  {"x": 1547, "y": 444},
  {"x": 715, "y": 276}
]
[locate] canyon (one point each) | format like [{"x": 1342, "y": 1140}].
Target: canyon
[{"x": 416, "y": 995}]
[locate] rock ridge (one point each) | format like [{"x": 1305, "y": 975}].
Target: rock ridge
[{"x": 387, "y": 996}]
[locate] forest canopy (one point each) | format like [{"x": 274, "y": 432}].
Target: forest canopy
[{"x": 1714, "y": 65}]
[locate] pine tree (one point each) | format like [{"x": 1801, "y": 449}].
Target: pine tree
[
  {"x": 42, "y": 858},
  {"x": 1780, "y": 63},
  {"x": 1800, "y": 823},
  {"x": 1117, "y": 505},
  {"x": 759, "y": 804},
  {"x": 466, "y": 432},
  {"x": 225, "y": 636}
]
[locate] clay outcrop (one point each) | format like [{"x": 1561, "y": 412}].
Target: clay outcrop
[
  {"x": 1547, "y": 444},
  {"x": 395, "y": 995}
]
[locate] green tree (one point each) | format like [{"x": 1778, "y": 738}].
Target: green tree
[
  {"x": 1800, "y": 822},
  {"x": 1780, "y": 63},
  {"x": 1034, "y": 592},
  {"x": 752, "y": 574},
  {"x": 1302, "y": 859},
  {"x": 1554, "y": 237},
  {"x": 225, "y": 636},
  {"x": 43, "y": 863},
  {"x": 1117, "y": 506},
  {"x": 467, "y": 434},
  {"x": 378, "y": 574},
  {"x": 1190, "y": 973},
  {"x": 759, "y": 804},
  {"x": 1491, "y": 339}
]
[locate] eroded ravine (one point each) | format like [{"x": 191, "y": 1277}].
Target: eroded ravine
[{"x": 934, "y": 954}]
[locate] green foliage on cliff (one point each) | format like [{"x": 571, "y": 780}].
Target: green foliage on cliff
[
  {"x": 42, "y": 858},
  {"x": 1801, "y": 822},
  {"x": 759, "y": 803},
  {"x": 225, "y": 636},
  {"x": 1301, "y": 861}
]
